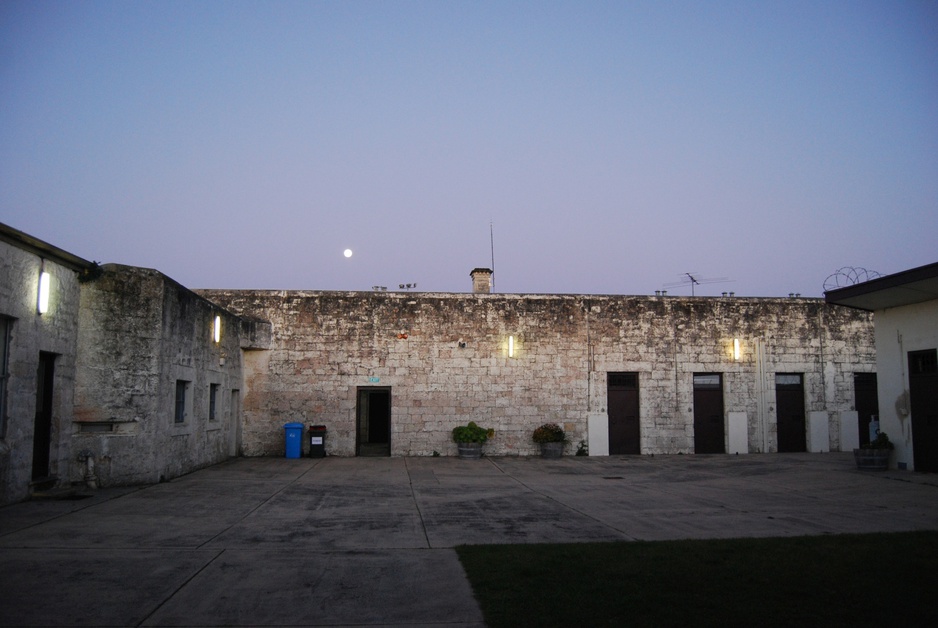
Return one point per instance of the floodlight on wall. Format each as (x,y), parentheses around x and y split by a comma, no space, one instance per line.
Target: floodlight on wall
(44,286)
(511,346)
(736,349)
(216,329)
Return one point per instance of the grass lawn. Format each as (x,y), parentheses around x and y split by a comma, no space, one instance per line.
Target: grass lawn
(875,580)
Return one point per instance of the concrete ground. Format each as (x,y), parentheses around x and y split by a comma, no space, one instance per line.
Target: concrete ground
(369,541)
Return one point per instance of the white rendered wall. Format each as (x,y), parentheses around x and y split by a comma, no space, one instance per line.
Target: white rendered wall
(899,331)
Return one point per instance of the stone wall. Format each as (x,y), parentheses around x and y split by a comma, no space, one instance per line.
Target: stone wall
(140,334)
(31,334)
(445,359)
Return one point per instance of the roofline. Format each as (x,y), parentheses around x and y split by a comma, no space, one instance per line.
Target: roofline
(43,249)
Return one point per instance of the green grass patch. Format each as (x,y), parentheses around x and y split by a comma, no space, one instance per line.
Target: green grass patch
(841,580)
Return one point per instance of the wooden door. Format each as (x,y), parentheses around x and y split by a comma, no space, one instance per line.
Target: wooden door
(709,430)
(923,405)
(789,404)
(622,398)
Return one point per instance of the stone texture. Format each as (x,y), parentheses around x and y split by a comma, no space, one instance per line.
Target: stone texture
(54,332)
(140,332)
(445,358)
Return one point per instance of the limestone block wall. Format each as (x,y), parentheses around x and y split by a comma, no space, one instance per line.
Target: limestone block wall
(29,334)
(140,334)
(445,360)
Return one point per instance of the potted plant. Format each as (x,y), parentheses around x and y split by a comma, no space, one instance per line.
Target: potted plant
(874,456)
(470,438)
(550,437)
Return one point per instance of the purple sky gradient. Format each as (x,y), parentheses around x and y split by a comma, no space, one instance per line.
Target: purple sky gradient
(613,145)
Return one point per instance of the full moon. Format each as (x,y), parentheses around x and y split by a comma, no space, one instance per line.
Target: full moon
(348,253)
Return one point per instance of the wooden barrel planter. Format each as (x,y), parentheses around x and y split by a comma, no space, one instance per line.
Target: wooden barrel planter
(471,451)
(871,459)
(551,450)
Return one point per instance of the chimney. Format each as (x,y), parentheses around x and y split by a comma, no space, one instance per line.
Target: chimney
(481,280)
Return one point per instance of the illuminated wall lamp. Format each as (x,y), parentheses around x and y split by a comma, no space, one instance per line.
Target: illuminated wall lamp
(216,329)
(736,349)
(511,346)
(44,281)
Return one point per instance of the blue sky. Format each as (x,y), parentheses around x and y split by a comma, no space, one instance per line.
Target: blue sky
(613,146)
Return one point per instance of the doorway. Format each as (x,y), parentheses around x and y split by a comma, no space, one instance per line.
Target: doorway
(709,431)
(373,422)
(789,403)
(42,426)
(866,402)
(923,404)
(622,399)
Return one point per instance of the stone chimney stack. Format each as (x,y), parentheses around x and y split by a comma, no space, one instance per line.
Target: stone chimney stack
(481,280)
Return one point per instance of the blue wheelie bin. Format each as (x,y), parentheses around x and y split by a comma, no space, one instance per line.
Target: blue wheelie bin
(293,435)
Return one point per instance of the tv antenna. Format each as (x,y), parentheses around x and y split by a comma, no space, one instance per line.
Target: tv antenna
(492,243)
(695,279)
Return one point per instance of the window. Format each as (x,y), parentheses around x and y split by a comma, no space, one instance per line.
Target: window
(212,401)
(182,387)
(6,326)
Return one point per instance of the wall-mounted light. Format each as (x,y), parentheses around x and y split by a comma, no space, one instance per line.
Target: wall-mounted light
(216,329)
(736,349)
(44,283)
(511,346)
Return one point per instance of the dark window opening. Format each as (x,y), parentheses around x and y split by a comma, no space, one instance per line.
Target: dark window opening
(181,386)
(212,401)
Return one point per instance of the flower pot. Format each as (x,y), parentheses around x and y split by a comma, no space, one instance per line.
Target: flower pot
(871,459)
(471,451)
(551,450)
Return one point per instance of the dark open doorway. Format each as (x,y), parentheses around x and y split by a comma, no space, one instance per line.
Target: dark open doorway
(866,401)
(373,424)
(42,428)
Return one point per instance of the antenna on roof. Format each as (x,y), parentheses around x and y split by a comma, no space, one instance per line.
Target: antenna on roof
(695,279)
(492,243)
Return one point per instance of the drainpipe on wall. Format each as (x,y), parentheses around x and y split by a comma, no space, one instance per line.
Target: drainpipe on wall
(760,391)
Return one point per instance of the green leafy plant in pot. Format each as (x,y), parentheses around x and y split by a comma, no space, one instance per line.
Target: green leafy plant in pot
(874,456)
(470,438)
(551,438)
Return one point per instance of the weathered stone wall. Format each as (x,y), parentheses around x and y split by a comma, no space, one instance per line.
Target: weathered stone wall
(141,332)
(31,333)
(445,359)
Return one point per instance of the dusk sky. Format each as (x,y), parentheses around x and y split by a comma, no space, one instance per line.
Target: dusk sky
(612,146)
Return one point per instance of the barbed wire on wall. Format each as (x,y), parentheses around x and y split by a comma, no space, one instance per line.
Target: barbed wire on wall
(848,276)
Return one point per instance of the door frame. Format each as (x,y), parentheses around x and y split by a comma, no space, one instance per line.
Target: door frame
(923,407)
(793,441)
(704,399)
(44,418)
(363,417)
(627,383)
